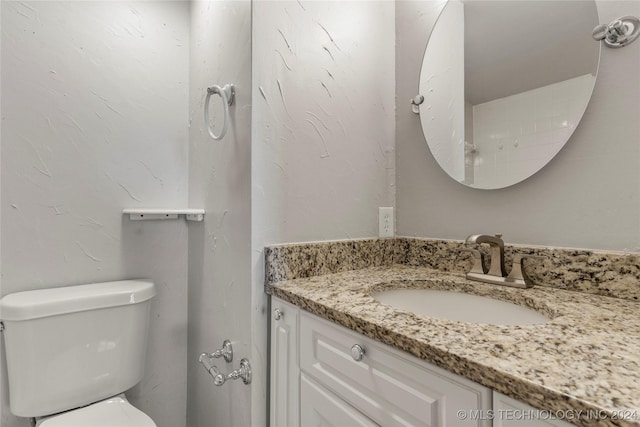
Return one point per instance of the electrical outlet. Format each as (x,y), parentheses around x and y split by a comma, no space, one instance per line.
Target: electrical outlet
(386,222)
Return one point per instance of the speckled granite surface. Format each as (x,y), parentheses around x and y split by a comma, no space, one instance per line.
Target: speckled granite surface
(293,261)
(602,273)
(608,274)
(586,358)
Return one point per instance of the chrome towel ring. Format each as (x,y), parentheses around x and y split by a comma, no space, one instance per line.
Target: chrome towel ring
(228,94)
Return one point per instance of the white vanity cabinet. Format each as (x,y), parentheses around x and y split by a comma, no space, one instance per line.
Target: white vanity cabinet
(315,379)
(285,371)
(323,374)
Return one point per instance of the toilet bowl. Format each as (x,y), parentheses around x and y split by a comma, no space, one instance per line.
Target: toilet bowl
(73,352)
(112,412)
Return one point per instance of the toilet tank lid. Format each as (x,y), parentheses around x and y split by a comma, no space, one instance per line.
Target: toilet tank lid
(69,299)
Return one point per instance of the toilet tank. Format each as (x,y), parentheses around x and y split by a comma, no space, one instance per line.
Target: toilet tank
(71,346)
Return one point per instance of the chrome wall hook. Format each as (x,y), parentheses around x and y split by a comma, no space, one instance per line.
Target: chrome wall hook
(618,33)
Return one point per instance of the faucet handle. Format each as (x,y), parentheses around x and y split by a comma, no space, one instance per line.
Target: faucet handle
(478,261)
(517,273)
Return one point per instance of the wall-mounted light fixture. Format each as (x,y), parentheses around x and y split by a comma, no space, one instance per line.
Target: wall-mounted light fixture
(618,33)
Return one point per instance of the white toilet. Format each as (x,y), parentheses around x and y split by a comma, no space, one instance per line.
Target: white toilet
(73,351)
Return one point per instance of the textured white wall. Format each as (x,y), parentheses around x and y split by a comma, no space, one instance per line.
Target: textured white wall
(322,131)
(219,248)
(588,196)
(323,121)
(95,103)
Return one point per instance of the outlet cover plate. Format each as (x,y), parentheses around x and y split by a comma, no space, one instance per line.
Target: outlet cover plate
(386,222)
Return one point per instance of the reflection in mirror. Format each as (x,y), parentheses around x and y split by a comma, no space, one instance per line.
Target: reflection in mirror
(505,85)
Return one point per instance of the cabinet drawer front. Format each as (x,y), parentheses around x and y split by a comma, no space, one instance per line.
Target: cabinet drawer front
(320,408)
(391,387)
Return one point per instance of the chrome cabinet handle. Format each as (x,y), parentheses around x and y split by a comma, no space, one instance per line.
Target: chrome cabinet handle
(277,314)
(357,352)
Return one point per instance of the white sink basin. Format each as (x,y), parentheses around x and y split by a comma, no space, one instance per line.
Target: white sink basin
(461,307)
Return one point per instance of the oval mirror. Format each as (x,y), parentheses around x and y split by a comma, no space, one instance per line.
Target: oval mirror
(505,84)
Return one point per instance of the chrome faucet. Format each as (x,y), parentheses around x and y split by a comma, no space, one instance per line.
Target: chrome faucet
(497,274)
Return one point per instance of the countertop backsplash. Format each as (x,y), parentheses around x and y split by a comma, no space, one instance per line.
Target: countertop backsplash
(613,274)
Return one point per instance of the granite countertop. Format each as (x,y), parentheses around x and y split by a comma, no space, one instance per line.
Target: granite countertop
(586,358)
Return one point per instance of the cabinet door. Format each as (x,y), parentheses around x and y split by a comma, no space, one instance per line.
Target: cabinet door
(508,412)
(391,387)
(285,370)
(321,408)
